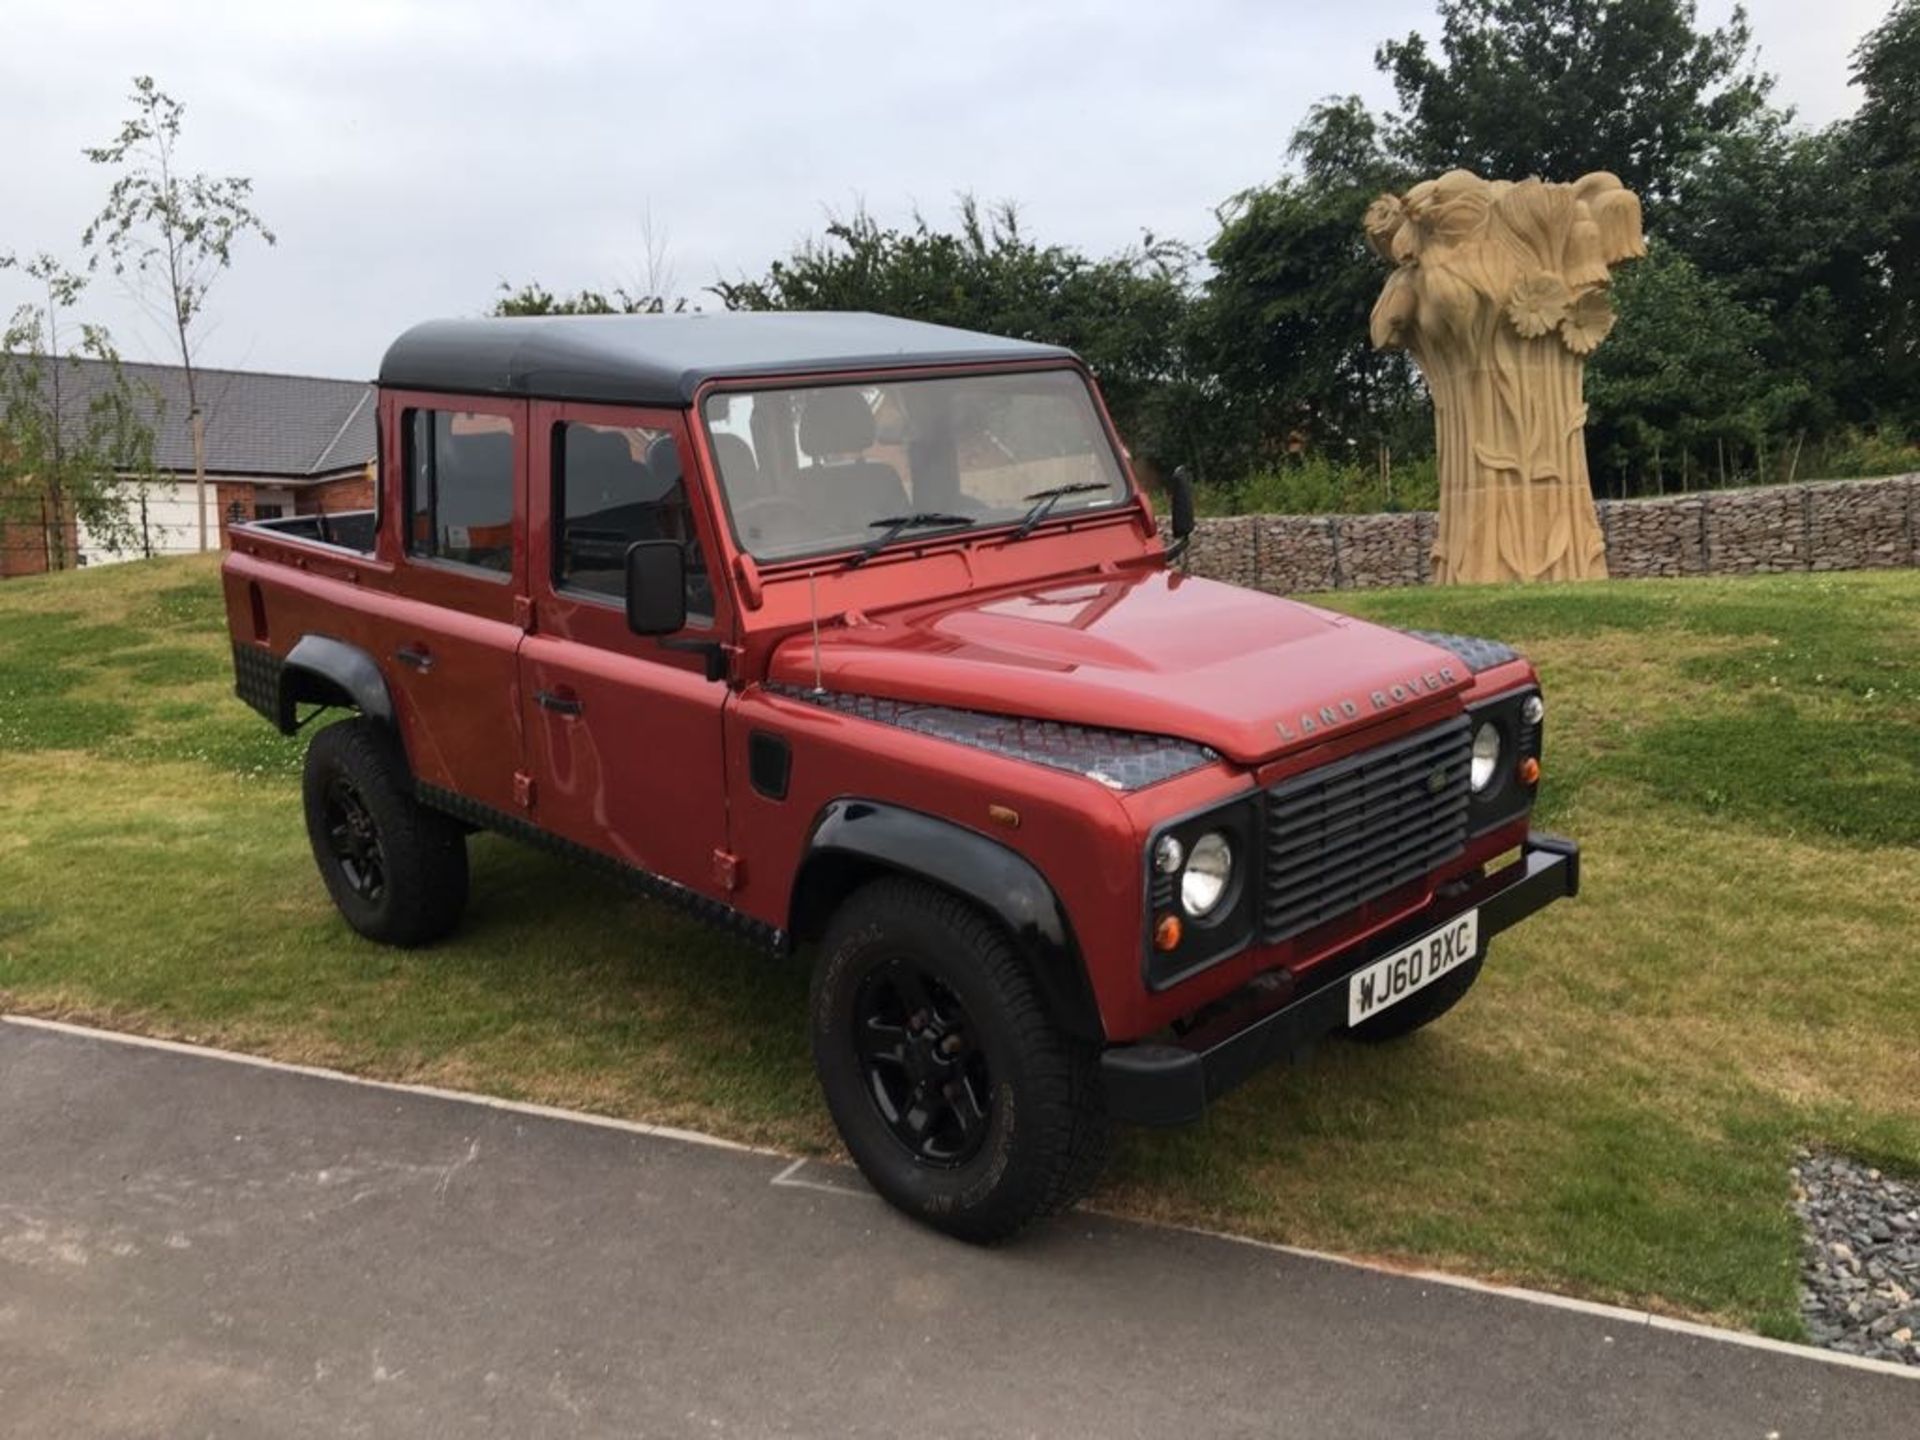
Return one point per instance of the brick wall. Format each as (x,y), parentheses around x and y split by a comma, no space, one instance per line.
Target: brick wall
(23,540)
(235,502)
(1819,525)
(328,497)
(332,496)
(23,548)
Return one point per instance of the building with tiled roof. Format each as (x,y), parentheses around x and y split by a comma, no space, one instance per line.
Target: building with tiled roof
(276,445)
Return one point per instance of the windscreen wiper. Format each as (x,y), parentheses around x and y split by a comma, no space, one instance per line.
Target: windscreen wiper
(1045,500)
(898,525)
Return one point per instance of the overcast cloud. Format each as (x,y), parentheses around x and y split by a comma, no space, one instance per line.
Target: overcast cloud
(413,156)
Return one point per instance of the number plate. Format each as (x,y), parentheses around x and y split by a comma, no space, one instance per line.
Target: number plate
(1392,978)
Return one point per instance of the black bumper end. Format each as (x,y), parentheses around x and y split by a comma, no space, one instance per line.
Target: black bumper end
(1161,1083)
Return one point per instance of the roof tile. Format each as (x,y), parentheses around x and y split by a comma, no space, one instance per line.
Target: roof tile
(286,426)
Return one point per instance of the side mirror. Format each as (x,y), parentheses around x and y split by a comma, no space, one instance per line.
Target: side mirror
(656,587)
(1180,501)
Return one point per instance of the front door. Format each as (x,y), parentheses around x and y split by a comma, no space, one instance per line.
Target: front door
(448,640)
(623,732)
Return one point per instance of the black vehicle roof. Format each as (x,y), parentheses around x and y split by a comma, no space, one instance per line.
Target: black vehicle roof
(663,359)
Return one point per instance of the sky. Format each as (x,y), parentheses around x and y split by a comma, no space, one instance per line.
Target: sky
(412,155)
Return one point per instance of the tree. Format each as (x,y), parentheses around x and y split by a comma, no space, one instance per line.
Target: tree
(172,235)
(1681,380)
(66,437)
(1124,314)
(1557,88)
(1283,321)
(1787,222)
(533,298)
(1886,142)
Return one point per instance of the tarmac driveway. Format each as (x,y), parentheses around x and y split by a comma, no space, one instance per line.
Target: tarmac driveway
(193,1246)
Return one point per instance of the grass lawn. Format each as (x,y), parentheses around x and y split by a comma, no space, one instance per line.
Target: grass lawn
(1611,1114)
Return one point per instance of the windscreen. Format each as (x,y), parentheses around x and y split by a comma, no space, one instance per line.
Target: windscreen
(815,470)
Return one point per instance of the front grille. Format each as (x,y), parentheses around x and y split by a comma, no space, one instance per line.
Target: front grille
(1351,831)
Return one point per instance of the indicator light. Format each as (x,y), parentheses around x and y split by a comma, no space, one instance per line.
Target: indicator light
(1169,856)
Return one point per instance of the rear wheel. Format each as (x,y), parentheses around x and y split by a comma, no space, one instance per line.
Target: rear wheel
(958,1097)
(1421,1008)
(396,870)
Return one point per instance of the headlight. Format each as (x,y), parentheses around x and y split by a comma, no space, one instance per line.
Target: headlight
(1203,884)
(1486,756)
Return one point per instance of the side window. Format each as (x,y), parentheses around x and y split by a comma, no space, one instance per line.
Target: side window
(614,485)
(460,488)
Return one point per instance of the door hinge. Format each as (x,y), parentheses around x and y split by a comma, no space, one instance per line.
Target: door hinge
(524,614)
(727,871)
(523,789)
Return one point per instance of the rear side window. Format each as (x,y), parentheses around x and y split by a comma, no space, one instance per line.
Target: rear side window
(460,488)
(616,484)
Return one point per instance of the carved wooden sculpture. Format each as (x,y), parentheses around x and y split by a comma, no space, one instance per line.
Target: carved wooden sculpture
(1499,292)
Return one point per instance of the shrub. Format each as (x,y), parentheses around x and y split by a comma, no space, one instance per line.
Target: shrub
(1321,486)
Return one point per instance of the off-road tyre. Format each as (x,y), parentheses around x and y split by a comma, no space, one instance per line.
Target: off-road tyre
(1044,1136)
(396,870)
(1421,1008)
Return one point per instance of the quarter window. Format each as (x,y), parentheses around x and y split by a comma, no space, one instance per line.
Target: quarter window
(615,485)
(460,488)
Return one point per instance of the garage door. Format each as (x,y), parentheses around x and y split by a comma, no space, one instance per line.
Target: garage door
(163,526)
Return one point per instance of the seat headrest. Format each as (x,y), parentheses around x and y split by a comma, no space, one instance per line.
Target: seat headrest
(663,463)
(836,422)
(734,456)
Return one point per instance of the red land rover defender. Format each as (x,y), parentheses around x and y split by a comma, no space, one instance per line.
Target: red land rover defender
(856,633)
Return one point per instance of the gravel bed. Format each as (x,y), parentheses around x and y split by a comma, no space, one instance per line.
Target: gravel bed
(1860,1272)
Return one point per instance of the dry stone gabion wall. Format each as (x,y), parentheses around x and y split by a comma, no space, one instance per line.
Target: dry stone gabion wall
(1655,539)
(1819,525)
(1864,527)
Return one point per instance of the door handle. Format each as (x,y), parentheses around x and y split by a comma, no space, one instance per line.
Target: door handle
(416,656)
(559,704)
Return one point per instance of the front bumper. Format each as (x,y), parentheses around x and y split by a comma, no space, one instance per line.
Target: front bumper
(1171,1082)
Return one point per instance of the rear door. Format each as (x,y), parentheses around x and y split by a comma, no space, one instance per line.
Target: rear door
(623,731)
(448,639)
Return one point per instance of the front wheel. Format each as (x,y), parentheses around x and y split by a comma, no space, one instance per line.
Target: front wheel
(396,870)
(960,1100)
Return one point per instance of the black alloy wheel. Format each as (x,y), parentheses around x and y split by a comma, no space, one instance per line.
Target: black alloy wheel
(922,1064)
(354,836)
(396,870)
(957,1094)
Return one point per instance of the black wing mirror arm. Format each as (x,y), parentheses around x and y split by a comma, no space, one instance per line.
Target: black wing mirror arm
(1180,503)
(712,651)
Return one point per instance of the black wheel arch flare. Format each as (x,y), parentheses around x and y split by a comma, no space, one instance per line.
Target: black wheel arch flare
(854,840)
(321,670)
